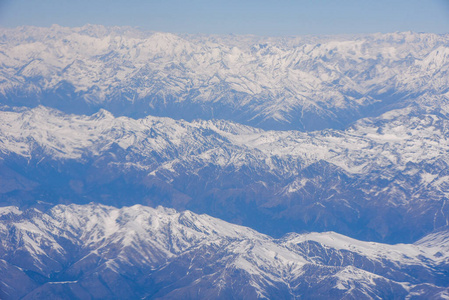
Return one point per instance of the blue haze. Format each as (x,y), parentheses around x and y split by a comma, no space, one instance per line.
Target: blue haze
(263,17)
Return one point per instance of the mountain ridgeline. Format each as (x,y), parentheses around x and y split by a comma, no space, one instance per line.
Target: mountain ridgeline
(299,83)
(130,160)
(383,179)
(100,252)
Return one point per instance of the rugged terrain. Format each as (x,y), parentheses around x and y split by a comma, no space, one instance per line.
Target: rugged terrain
(302,83)
(333,150)
(383,179)
(95,251)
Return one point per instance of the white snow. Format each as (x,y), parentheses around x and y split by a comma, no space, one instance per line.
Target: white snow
(308,73)
(153,236)
(358,150)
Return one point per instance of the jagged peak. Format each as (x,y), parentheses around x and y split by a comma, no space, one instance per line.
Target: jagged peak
(102,114)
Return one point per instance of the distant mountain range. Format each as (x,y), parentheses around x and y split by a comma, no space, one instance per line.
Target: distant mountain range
(331,149)
(303,83)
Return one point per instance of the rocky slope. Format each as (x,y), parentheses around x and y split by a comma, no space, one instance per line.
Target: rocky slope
(96,251)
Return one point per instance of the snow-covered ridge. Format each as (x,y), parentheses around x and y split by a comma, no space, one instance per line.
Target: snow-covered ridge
(253,80)
(330,180)
(104,240)
(393,140)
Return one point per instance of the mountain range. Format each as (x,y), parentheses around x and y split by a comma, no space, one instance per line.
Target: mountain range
(301,83)
(138,164)
(94,251)
(383,179)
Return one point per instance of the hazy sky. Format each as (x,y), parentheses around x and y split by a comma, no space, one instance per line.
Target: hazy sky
(262,17)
